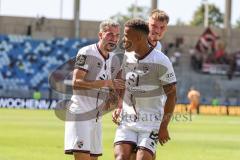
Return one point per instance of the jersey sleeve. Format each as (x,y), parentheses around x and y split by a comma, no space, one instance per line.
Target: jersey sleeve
(82,62)
(167,74)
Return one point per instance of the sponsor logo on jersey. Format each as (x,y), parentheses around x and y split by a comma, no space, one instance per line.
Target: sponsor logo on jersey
(81,60)
(170,76)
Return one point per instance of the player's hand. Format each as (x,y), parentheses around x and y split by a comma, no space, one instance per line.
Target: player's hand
(163,135)
(115,115)
(117,84)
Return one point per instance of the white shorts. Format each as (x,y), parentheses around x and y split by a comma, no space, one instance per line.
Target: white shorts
(141,140)
(83,136)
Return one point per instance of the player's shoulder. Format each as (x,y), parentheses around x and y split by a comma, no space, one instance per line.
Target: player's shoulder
(160,56)
(87,50)
(158,46)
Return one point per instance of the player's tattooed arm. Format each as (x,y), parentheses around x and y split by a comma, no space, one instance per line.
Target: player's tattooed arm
(79,82)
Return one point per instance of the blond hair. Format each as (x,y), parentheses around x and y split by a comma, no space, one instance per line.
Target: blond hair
(159,15)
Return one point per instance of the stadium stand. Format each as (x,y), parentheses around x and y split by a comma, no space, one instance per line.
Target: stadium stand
(210,85)
(25,63)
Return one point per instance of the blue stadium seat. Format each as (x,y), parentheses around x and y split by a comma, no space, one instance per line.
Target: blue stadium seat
(26,62)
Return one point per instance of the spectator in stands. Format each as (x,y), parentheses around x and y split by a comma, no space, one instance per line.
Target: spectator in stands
(173,59)
(177,54)
(37,95)
(227,104)
(204,100)
(215,101)
(20,65)
(179,41)
(232,66)
(219,53)
(194,99)
(196,59)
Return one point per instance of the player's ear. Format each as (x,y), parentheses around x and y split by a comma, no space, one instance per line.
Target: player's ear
(100,35)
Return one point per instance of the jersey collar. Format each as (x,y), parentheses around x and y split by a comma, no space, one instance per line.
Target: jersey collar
(100,52)
(151,44)
(141,58)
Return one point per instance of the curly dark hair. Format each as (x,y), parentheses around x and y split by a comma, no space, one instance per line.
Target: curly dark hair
(138,24)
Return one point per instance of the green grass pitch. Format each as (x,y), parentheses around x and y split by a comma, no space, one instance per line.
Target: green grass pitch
(38,135)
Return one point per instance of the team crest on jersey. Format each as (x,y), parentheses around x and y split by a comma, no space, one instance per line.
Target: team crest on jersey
(81,60)
(80,144)
(99,64)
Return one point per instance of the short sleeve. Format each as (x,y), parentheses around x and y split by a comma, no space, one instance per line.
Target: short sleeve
(82,61)
(168,75)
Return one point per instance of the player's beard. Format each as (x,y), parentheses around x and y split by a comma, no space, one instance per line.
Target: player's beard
(109,46)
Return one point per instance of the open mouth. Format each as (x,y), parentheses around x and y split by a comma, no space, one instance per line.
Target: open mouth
(110,46)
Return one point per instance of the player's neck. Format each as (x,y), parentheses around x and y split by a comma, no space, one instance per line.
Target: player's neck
(143,50)
(152,43)
(102,51)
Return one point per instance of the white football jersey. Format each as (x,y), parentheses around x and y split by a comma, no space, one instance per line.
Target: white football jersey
(158,46)
(98,67)
(145,78)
